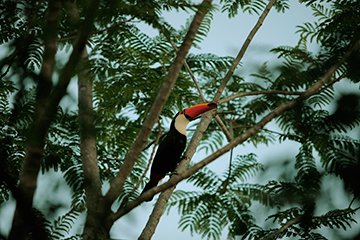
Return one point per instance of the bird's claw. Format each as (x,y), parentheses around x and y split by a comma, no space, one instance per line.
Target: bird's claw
(185,157)
(174,173)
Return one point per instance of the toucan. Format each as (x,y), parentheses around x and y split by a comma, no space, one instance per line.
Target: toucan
(172,146)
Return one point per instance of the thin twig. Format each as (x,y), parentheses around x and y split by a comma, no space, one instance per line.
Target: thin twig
(175,179)
(153,141)
(124,202)
(11,60)
(332,82)
(231,130)
(283,228)
(98,31)
(243,94)
(218,120)
(190,73)
(243,50)
(352,202)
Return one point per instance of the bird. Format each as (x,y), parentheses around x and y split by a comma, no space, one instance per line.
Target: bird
(172,146)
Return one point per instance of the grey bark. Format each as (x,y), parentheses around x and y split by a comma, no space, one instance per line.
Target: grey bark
(96,214)
(45,108)
(35,147)
(95,227)
(164,92)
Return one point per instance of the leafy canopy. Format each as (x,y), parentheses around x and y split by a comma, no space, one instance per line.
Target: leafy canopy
(127,67)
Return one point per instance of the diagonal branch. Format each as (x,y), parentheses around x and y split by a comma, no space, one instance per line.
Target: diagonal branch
(238,140)
(218,120)
(163,94)
(243,50)
(244,94)
(45,111)
(283,228)
(157,212)
(332,82)
(190,73)
(236,63)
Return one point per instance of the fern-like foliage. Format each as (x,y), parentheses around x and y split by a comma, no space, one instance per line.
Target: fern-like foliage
(340,218)
(127,67)
(317,131)
(233,7)
(257,7)
(40,226)
(222,201)
(61,227)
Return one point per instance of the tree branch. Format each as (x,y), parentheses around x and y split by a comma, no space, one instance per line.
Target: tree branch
(238,140)
(44,114)
(157,212)
(88,152)
(118,182)
(36,141)
(190,73)
(283,228)
(244,94)
(332,83)
(86,121)
(92,183)
(243,50)
(218,120)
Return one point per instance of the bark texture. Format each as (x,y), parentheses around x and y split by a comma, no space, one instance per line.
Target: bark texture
(35,147)
(96,214)
(158,210)
(45,108)
(163,94)
(238,140)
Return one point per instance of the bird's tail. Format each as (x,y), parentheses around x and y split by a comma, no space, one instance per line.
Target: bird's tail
(152,183)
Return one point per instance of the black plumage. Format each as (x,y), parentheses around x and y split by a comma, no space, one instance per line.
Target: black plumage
(167,156)
(172,146)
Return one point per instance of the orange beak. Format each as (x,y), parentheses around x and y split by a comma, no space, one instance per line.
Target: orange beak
(194,111)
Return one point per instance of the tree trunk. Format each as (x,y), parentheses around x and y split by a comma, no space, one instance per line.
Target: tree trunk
(95,218)
(95,227)
(22,223)
(45,108)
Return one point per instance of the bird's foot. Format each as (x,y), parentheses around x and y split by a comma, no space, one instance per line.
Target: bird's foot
(174,173)
(184,157)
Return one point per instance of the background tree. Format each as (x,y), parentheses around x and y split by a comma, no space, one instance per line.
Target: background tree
(132,78)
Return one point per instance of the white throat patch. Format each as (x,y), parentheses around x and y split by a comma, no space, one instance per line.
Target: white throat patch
(181,123)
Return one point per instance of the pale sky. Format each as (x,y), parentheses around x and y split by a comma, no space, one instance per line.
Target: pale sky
(225,39)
